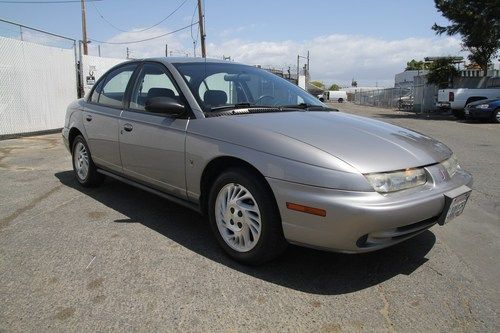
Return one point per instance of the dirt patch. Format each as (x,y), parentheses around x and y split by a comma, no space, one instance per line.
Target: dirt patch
(95,284)
(96,215)
(65,313)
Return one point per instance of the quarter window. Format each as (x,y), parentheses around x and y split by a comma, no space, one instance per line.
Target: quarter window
(113,91)
(152,82)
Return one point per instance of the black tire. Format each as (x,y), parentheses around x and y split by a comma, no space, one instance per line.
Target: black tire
(321,99)
(93,178)
(494,116)
(459,114)
(341,100)
(271,242)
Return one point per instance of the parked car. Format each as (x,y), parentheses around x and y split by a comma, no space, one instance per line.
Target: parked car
(266,161)
(457,99)
(486,109)
(334,95)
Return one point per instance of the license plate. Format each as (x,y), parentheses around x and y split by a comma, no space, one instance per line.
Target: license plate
(454,204)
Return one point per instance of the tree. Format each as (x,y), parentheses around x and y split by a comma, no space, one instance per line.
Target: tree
(478,22)
(415,65)
(441,72)
(318,84)
(334,87)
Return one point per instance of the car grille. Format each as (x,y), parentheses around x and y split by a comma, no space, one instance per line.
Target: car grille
(394,235)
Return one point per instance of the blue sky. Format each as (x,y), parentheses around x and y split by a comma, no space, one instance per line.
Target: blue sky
(346,38)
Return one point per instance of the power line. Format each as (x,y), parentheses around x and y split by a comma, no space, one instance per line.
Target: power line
(134,31)
(147,39)
(46,2)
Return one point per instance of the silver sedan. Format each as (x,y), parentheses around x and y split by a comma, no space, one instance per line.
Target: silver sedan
(265,161)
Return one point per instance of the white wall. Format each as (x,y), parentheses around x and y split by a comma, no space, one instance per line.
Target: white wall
(37,83)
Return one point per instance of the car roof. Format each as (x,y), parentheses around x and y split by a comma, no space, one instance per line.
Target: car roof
(176,60)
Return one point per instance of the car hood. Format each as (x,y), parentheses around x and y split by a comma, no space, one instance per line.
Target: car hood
(367,145)
(483,101)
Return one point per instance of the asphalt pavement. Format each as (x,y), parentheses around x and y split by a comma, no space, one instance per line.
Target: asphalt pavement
(117,258)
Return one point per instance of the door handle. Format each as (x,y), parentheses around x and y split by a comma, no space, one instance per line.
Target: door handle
(128,127)
(88,117)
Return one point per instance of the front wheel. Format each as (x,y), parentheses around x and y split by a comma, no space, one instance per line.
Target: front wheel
(244,217)
(496,116)
(83,166)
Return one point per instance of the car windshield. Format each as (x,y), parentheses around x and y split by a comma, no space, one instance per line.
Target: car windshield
(221,86)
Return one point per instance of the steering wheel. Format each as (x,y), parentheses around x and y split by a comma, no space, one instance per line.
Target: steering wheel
(263,97)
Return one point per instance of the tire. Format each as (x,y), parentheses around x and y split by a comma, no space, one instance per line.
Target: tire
(459,114)
(83,166)
(495,117)
(264,240)
(321,99)
(340,100)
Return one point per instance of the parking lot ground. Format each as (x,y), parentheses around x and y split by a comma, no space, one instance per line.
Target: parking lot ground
(116,258)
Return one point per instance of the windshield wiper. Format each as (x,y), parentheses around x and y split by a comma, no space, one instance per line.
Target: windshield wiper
(233,106)
(308,107)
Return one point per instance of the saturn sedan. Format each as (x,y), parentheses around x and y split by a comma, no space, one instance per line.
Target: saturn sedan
(264,160)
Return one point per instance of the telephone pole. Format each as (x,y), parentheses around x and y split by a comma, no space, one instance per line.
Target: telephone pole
(128,53)
(201,24)
(84,29)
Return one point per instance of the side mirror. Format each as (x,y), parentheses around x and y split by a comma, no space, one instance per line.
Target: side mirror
(164,105)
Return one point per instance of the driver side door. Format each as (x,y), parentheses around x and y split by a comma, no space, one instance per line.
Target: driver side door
(152,144)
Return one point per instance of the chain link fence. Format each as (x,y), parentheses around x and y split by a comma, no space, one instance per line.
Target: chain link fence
(400,98)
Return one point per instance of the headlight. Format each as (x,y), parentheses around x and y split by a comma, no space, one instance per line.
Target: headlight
(451,165)
(396,181)
(482,106)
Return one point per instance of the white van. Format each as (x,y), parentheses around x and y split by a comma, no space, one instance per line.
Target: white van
(334,95)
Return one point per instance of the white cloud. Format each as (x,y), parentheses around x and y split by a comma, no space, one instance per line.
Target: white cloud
(334,58)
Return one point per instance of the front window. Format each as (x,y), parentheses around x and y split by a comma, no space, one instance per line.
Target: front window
(217,85)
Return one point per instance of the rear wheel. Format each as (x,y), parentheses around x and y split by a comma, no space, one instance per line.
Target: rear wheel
(244,217)
(341,100)
(83,166)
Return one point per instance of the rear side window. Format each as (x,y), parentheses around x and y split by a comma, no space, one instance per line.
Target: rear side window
(113,90)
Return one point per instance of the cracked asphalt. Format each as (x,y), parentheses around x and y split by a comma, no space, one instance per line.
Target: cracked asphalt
(116,258)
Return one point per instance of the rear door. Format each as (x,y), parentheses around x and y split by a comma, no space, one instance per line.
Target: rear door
(102,114)
(152,145)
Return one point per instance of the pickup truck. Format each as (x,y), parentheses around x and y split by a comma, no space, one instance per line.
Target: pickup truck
(457,99)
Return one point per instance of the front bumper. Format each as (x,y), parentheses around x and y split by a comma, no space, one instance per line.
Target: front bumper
(478,113)
(354,218)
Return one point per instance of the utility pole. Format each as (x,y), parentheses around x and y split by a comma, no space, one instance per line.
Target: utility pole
(84,29)
(166,50)
(201,24)
(99,49)
(308,62)
(128,53)
(194,49)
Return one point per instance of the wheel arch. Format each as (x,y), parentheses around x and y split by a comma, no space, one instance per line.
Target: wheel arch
(217,166)
(73,133)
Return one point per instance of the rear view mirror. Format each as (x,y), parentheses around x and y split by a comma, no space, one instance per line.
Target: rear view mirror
(237,77)
(164,105)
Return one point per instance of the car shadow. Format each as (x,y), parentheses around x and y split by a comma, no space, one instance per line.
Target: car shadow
(301,269)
